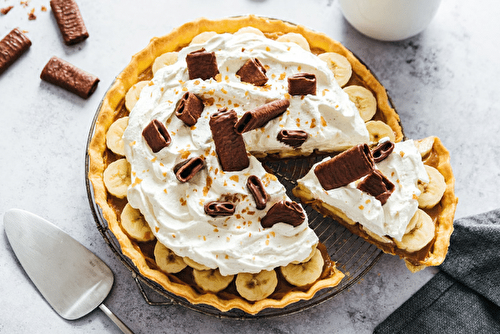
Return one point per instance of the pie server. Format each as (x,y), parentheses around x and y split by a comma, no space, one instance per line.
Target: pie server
(70,277)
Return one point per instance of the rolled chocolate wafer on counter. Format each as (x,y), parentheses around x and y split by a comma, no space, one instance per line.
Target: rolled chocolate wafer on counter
(377,185)
(284,212)
(65,75)
(345,168)
(229,144)
(259,116)
(70,21)
(12,47)
(253,72)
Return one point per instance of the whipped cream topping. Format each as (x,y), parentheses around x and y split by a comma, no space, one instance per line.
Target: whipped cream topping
(404,168)
(175,211)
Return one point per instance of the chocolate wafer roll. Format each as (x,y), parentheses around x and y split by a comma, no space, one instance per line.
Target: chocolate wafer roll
(377,185)
(217,208)
(302,84)
(294,138)
(202,64)
(259,116)
(12,47)
(253,72)
(189,108)
(229,145)
(63,74)
(70,21)
(345,168)
(284,212)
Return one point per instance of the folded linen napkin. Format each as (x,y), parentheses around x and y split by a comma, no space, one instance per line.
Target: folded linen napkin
(464,296)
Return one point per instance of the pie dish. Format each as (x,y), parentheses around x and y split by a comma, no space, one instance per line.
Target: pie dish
(135,88)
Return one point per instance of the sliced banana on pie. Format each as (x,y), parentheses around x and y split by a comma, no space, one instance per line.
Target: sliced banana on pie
(364,101)
(256,286)
(167,260)
(339,65)
(114,140)
(421,234)
(165,59)
(306,272)
(424,146)
(378,130)
(117,178)
(133,94)
(203,37)
(211,280)
(195,265)
(251,30)
(135,225)
(295,38)
(433,191)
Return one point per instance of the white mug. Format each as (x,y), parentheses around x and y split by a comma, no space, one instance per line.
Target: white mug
(389,20)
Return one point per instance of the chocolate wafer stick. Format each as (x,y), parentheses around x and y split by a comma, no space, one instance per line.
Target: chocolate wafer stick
(63,74)
(302,84)
(284,212)
(382,151)
(258,191)
(70,21)
(294,138)
(156,135)
(216,208)
(253,72)
(202,64)
(345,168)
(12,47)
(187,169)
(189,108)
(229,145)
(377,185)
(259,116)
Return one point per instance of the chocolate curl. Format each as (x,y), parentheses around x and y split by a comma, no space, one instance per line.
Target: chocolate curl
(65,75)
(382,151)
(219,208)
(202,64)
(253,72)
(12,47)
(258,191)
(377,185)
(294,138)
(187,169)
(156,135)
(284,212)
(345,168)
(189,108)
(70,21)
(302,84)
(229,145)
(259,116)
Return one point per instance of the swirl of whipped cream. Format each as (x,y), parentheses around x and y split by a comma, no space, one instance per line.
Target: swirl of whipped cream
(404,168)
(175,211)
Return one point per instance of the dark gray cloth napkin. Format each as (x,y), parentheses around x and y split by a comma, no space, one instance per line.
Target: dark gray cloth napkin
(464,296)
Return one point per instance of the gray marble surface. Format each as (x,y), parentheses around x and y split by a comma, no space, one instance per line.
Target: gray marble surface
(443,82)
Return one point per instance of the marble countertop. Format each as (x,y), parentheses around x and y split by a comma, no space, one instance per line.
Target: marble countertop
(443,82)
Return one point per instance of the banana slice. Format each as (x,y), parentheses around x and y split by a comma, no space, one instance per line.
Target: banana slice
(295,38)
(251,30)
(167,260)
(195,265)
(424,146)
(420,235)
(134,224)
(433,191)
(211,280)
(380,238)
(133,94)
(306,272)
(117,178)
(313,251)
(364,101)
(165,59)
(114,140)
(379,130)
(339,65)
(256,286)
(202,37)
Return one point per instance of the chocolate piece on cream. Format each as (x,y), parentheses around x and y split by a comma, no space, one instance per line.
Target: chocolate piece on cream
(216,208)
(253,72)
(65,75)
(12,47)
(187,169)
(382,151)
(229,144)
(156,135)
(345,168)
(377,185)
(189,108)
(302,84)
(70,21)
(287,212)
(202,64)
(258,191)
(293,138)
(259,116)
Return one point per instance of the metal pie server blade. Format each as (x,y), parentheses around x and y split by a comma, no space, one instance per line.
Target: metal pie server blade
(71,278)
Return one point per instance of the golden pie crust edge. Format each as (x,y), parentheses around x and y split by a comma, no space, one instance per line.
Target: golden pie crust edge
(140,62)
